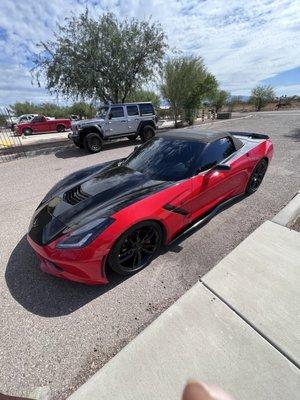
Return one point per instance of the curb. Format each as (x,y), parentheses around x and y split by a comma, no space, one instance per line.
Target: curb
(289,213)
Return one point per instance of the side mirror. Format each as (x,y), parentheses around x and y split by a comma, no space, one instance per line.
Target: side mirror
(110,116)
(135,148)
(222,167)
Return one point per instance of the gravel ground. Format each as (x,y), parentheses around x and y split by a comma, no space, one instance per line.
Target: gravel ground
(56,333)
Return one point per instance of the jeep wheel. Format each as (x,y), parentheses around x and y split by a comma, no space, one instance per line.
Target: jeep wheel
(147,133)
(93,143)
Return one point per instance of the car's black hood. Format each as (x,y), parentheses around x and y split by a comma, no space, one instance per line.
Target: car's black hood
(96,195)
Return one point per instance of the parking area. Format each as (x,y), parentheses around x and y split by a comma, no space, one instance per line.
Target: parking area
(56,333)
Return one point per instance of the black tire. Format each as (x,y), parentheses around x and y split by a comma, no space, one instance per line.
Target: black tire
(93,143)
(132,138)
(60,128)
(147,133)
(138,246)
(257,176)
(27,131)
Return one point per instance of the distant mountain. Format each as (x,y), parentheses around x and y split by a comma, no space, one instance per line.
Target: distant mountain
(243,98)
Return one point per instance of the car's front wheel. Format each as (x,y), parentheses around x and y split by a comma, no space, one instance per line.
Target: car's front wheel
(93,143)
(136,248)
(257,176)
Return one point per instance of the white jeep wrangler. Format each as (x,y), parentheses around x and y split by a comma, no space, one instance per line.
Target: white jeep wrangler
(113,122)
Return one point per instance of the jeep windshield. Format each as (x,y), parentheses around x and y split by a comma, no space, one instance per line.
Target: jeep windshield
(166,159)
(102,112)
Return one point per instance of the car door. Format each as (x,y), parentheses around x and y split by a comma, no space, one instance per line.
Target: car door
(212,185)
(132,117)
(117,122)
(39,124)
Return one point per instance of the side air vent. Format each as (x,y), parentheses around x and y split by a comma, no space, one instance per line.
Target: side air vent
(75,195)
(174,209)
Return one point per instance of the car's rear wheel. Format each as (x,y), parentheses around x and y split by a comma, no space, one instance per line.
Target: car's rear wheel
(27,131)
(136,248)
(60,128)
(147,133)
(93,143)
(257,176)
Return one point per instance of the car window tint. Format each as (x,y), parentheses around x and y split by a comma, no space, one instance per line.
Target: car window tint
(166,159)
(117,112)
(38,119)
(146,109)
(216,152)
(132,110)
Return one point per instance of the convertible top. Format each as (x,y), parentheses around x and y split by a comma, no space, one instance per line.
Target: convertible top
(200,135)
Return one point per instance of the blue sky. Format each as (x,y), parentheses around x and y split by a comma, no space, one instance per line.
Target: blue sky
(287,78)
(242,43)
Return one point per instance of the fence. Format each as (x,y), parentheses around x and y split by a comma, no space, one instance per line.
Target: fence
(10,144)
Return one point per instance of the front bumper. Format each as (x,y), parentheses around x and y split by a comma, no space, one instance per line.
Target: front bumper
(74,136)
(74,265)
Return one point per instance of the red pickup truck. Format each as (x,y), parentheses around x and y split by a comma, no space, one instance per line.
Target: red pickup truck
(41,124)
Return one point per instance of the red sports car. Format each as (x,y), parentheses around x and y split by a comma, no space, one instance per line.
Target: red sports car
(118,214)
(41,124)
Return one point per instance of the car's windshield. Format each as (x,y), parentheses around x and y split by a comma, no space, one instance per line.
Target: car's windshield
(102,112)
(166,159)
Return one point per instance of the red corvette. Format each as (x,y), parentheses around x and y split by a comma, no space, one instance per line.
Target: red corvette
(118,214)
(41,124)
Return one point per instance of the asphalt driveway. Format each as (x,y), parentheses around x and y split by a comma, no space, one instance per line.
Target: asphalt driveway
(56,333)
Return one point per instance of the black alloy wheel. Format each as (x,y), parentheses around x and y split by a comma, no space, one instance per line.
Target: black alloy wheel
(93,143)
(257,176)
(136,248)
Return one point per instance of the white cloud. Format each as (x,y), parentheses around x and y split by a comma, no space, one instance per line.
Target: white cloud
(241,43)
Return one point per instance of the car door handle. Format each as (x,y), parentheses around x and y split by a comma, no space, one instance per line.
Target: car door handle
(123,121)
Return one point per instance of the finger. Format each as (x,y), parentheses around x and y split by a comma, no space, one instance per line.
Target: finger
(217,393)
(195,391)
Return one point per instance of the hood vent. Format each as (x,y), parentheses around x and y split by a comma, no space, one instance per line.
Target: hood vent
(75,195)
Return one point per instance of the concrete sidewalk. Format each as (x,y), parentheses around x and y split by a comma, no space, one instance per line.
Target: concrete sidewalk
(238,328)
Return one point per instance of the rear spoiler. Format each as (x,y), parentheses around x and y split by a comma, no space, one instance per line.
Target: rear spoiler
(250,135)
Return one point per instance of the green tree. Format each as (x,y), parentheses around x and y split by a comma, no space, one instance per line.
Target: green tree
(20,108)
(2,120)
(234,101)
(52,110)
(145,95)
(261,95)
(83,109)
(186,83)
(103,59)
(219,99)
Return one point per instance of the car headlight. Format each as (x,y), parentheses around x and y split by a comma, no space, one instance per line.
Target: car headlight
(84,235)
